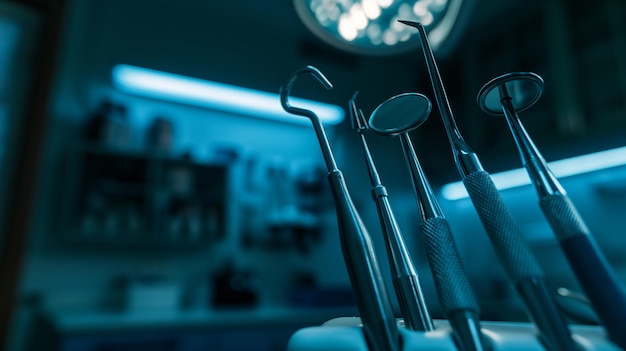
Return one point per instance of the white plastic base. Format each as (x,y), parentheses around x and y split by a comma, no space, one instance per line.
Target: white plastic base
(344,334)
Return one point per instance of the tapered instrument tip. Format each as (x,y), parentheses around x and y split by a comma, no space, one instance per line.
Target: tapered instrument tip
(411,23)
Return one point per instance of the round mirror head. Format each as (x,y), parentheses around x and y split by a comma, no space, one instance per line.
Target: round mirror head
(400,114)
(524,89)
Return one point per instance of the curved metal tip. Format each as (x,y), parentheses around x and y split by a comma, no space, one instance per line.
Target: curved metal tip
(356,93)
(411,23)
(354,112)
(285,90)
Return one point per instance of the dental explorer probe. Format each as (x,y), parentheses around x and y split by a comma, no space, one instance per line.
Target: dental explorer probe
(379,323)
(515,92)
(510,247)
(404,275)
(397,116)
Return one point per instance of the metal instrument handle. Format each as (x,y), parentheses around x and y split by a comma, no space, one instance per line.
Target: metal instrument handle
(412,305)
(405,278)
(455,293)
(453,288)
(594,274)
(507,240)
(515,255)
(546,314)
(372,298)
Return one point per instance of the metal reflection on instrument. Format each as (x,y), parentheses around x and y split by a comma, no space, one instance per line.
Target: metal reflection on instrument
(524,89)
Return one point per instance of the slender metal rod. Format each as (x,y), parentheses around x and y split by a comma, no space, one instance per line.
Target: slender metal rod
(542,177)
(379,323)
(405,278)
(466,159)
(428,205)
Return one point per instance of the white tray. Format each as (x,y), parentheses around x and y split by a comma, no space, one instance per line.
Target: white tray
(344,334)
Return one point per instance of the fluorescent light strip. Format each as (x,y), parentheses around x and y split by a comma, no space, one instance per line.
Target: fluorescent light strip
(562,168)
(218,96)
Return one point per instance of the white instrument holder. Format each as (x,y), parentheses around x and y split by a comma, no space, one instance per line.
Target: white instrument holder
(345,334)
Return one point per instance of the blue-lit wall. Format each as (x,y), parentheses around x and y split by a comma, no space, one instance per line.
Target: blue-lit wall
(100,35)
(599,197)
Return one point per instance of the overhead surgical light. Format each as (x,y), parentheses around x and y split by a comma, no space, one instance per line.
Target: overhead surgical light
(372,27)
(562,168)
(216,96)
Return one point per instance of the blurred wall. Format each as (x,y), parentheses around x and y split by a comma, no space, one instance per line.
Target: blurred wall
(209,44)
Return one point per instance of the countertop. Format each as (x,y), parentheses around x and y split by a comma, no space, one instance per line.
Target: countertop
(99,321)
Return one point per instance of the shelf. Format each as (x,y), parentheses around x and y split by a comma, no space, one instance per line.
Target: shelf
(120,197)
(167,319)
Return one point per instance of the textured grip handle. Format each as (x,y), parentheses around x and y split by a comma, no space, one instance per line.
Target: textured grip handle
(589,265)
(563,216)
(508,242)
(453,287)
(515,255)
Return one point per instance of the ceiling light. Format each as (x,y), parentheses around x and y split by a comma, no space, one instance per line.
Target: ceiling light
(371,27)
(217,96)
(562,168)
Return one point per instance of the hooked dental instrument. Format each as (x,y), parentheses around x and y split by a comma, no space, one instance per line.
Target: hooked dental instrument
(379,323)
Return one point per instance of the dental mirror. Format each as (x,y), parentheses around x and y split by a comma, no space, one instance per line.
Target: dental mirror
(523,88)
(400,114)
(397,116)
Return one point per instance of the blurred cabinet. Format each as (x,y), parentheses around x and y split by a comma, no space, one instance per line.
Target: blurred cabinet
(598,44)
(124,197)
